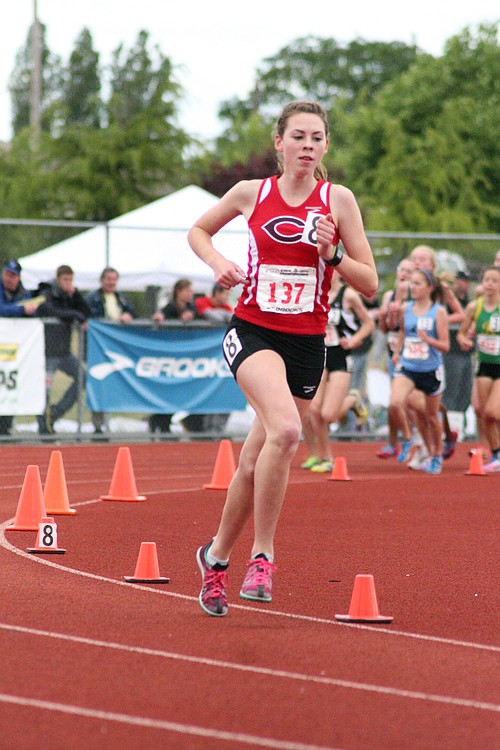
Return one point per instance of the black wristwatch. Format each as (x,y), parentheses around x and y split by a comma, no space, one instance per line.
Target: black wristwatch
(337,257)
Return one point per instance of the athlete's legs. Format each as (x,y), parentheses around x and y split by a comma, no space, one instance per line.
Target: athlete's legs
(416,414)
(311,416)
(322,415)
(434,426)
(400,391)
(260,482)
(488,392)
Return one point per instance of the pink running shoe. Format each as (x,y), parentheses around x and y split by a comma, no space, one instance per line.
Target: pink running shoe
(213,596)
(388,451)
(258,582)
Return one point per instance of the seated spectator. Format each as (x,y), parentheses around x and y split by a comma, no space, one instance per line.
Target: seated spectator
(179,307)
(15,302)
(215,307)
(65,302)
(106,302)
(109,304)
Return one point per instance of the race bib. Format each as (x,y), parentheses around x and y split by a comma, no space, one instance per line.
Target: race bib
(488,344)
(331,336)
(495,323)
(231,346)
(415,348)
(392,340)
(309,234)
(286,289)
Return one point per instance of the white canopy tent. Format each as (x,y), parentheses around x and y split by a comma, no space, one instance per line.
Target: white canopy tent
(148,247)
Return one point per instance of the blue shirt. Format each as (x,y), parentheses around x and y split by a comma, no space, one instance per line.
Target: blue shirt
(418,356)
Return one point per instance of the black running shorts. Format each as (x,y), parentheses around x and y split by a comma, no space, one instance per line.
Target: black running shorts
(304,356)
(487,370)
(431,383)
(337,359)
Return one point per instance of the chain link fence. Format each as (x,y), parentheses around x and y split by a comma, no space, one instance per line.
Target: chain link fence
(66,379)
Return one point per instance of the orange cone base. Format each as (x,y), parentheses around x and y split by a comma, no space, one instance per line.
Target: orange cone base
(224,468)
(339,471)
(18,527)
(476,467)
(57,512)
(137,499)
(131,579)
(364,606)
(43,551)
(346,618)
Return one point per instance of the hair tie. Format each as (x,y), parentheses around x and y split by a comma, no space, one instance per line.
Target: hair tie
(429,277)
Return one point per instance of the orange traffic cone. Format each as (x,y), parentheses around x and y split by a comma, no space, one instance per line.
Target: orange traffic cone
(476,466)
(339,471)
(123,485)
(55,492)
(30,508)
(46,540)
(147,569)
(224,467)
(363,607)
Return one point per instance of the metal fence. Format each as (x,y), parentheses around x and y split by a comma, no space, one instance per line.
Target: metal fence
(22,237)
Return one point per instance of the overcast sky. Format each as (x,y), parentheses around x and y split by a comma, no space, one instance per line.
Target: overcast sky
(216,46)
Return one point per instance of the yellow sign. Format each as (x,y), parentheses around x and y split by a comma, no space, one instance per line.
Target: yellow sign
(8,352)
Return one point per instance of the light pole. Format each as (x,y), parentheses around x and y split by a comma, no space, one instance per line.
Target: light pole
(36,76)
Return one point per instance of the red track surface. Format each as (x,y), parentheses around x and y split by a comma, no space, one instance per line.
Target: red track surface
(89,661)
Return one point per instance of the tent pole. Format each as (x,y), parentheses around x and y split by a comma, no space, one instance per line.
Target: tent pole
(106,264)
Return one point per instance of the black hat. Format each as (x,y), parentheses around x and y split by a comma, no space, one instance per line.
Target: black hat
(463,275)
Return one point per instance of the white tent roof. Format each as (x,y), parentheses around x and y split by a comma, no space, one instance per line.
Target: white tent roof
(148,247)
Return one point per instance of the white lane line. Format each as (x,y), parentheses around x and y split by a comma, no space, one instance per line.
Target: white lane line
(277,673)
(263,611)
(169,726)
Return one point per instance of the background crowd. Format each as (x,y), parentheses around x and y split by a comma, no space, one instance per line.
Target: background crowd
(367,334)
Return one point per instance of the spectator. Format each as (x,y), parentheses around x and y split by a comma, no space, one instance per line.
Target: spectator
(357,399)
(65,302)
(106,302)
(458,362)
(180,307)
(109,304)
(215,307)
(14,303)
(461,287)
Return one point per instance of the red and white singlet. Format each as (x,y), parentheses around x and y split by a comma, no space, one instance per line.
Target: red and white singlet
(288,283)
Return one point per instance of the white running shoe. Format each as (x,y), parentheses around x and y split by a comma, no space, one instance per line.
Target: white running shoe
(419,459)
(493,465)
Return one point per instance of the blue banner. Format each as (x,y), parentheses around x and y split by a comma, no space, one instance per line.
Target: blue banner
(163,370)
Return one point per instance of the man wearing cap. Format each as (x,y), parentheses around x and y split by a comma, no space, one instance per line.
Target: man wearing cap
(14,303)
(12,293)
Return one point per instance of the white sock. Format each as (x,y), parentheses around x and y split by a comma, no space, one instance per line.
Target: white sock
(211,560)
(269,558)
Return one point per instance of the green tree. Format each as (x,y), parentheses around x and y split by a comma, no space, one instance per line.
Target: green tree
(82,171)
(20,84)
(323,69)
(424,152)
(140,80)
(341,77)
(82,85)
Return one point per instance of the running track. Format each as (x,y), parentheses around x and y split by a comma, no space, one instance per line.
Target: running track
(90,661)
